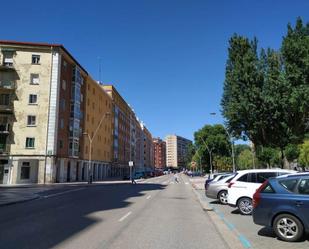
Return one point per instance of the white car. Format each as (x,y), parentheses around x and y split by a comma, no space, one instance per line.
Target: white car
(243,186)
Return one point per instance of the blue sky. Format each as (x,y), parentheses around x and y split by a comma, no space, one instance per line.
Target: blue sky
(166,57)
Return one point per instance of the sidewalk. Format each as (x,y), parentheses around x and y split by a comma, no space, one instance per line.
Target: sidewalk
(229,233)
(16,193)
(198,182)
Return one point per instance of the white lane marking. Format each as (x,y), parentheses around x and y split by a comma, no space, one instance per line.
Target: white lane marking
(62,193)
(125,216)
(148,197)
(171,182)
(187,183)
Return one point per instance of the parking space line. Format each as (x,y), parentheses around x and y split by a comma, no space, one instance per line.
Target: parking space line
(125,216)
(244,241)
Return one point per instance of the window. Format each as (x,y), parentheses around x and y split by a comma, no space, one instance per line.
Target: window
(4,99)
(268,189)
(35,59)
(33,99)
(62,103)
(31,120)
(64,85)
(243,178)
(261,177)
(30,142)
(65,65)
(34,79)
(8,59)
(303,187)
(61,123)
(60,144)
(288,184)
(25,171)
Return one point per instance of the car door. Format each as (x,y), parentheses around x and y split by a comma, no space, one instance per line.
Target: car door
(302,200)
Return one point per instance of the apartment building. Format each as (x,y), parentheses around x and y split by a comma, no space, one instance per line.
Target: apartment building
(148,158)
(159,148)
(49,108)
(98,131)
(54,119)
(121,136)
(176,151)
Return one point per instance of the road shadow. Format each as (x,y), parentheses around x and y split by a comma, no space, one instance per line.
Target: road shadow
(215,202)
(47,222)
(268,232)
(236,211)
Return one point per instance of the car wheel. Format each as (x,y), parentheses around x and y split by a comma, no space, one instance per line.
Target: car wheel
(288,228)
(245,206)
(222,197)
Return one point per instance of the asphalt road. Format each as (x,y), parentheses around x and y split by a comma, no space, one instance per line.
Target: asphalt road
(150,215)
(258,236)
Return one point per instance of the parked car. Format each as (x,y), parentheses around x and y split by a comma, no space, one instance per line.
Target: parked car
(283,203)
(139,175)
(218,189)
(244,185)
(215,177)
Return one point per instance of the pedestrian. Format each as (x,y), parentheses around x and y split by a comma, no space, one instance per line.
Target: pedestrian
(175,178)
(133,180)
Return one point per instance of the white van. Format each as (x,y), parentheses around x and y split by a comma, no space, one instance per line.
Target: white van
(245,183)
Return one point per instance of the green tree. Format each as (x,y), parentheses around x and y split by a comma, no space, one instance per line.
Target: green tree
(295,54)
(304,154)
(212,139)
(291,152)
(242,100)
(240,148)
(265,97)
(245,160)
(267,156)
(189,156)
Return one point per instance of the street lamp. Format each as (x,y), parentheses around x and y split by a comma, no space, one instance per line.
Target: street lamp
(209,152)
(90,146)
(197,152)
(232,143)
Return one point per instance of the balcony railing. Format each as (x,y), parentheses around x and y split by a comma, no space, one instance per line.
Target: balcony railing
(7,64)
(7,85)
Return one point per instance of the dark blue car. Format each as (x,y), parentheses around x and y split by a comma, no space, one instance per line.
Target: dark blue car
(283,204)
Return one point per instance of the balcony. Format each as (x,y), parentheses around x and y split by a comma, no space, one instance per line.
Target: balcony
(4,128)
(7,85)
(7,65)
(6,108)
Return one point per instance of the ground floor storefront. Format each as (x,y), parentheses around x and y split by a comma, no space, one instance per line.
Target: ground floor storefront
(43,169)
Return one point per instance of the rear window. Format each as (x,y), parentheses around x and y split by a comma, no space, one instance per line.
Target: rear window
(261,177)
(268,189)
(303,187)
(243,178)
(289,184)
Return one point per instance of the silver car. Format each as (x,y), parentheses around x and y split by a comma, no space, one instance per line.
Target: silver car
(218,189)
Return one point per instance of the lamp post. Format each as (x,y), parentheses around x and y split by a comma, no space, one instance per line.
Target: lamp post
(198,154)
(232,143)
(90,146)
(210,152)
